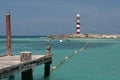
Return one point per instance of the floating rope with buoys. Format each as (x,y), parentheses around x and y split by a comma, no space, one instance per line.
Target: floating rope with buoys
(54,68)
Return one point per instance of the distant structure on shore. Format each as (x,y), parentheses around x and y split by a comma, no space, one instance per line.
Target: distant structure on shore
(78,24)
(97,36)
(79,35)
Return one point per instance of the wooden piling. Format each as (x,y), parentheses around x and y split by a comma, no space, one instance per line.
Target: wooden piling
(47,69)
(26,75)
(47,65)
(8,34)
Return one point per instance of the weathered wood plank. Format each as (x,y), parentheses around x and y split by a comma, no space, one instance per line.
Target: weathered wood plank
(10,65)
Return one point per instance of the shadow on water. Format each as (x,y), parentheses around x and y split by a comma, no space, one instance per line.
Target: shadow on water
(46,78)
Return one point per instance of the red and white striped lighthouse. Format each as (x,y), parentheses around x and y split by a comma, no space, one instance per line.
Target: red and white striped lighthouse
(78,24)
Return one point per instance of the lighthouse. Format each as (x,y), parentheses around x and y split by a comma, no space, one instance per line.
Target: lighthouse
(78,24)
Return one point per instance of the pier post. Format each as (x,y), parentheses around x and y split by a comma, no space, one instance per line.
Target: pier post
(8,34)
(26,75)
(48,50)
(47,65)
(47,69)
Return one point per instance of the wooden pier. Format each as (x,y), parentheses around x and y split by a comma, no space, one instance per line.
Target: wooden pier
(24,63)
(10,65)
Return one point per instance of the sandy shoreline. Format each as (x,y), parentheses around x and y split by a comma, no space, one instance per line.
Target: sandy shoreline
(100,36)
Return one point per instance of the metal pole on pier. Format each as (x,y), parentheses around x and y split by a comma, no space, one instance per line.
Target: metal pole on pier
(8,34)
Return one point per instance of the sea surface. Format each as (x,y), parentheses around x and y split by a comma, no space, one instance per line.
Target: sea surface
(99,60)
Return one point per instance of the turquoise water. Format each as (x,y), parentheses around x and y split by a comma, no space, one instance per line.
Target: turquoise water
(100,60)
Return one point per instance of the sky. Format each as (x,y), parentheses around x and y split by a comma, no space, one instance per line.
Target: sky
(56,17)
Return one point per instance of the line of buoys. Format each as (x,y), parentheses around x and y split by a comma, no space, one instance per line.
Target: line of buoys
(68,57)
